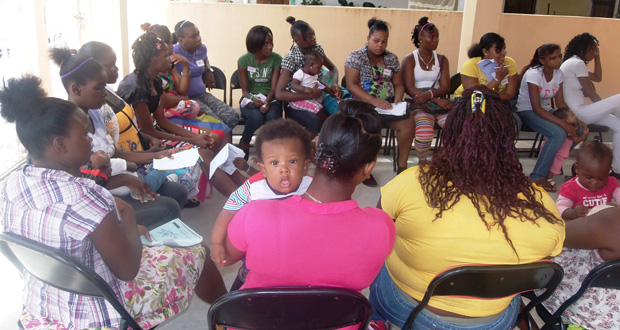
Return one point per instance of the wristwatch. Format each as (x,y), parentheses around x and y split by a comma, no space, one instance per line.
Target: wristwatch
(210,68)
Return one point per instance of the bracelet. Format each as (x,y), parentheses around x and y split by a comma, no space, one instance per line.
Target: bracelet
(495,78)
(430,90)
(251,97)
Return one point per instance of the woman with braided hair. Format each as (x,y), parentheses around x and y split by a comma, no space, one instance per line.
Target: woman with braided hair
(472,204)
(581,50)
(321,238)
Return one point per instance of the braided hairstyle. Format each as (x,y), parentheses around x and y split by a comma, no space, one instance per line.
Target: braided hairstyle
(423,25)
(78,68)
(579,45)
(280,129)
(38,119)
(478,161)
(349,139)
(541,53)
(145,48)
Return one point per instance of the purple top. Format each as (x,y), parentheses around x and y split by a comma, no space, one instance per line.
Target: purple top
(197,61)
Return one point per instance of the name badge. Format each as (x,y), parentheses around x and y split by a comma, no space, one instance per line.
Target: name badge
(252,69)
(387,72)
(200,63)
(435,68)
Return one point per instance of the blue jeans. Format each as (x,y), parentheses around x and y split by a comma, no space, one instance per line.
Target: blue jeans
(389,305)
(555,138)
(154,179)
(254,118)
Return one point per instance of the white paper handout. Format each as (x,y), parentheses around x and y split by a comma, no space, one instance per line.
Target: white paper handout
(245,101)
(182,159)
(397,109)
(224,159)
(173,233)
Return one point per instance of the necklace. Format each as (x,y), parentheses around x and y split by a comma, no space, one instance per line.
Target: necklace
(427,64)
(312,198)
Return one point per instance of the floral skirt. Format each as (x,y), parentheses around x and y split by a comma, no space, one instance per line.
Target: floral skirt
(163,287)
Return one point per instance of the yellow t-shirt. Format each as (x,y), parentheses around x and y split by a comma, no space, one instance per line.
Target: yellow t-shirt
(128,139)
(471,69)
(425,248)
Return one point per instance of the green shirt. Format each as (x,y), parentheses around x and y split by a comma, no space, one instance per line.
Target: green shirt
(259,75)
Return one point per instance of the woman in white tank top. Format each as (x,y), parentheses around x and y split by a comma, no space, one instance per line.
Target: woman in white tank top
(426,76)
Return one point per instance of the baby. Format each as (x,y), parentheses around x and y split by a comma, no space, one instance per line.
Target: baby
(568,116)
(306,80)
(283,149)
(593,186)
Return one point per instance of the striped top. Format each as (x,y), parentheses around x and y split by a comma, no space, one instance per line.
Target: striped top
(59,210)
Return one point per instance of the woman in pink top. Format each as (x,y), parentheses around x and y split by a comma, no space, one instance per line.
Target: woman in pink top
(321,238)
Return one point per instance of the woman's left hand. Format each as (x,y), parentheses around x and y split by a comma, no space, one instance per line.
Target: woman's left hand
(210,80)
(423,97)
(143,231)
(336,91)
(154,144)
(444,104)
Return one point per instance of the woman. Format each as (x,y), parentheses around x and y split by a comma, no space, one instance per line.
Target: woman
(590,241)
(304,39)
(85,81)
(176,86)
(373,75)
(49,203)
(503,76)
(142,89)
(542,83)
(331,242)
(259,70)
(189,45)
(471,204)
(426,75)
(581,50)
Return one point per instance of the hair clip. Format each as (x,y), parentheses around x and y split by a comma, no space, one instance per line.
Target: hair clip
(478,101)
(158,46)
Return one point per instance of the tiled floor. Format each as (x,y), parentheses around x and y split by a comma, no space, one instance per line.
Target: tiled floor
(202,219)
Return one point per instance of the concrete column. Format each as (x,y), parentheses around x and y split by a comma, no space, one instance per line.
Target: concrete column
(479,17)
(35,38)
(126,53)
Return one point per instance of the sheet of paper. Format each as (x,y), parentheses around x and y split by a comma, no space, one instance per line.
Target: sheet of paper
(182,159)
(488,68)
(224,159)
(245,101)
(397,109)
(173,233)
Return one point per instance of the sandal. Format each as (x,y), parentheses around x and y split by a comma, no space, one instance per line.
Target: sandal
(191,203)
(543,183)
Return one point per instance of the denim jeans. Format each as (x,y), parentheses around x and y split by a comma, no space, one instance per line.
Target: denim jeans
(555,138)
(254,118)
(389,305)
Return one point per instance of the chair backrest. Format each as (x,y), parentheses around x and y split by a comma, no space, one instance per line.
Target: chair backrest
(455,82)
(220,79)
(234,84)
(493,281)
(295,308)
(60,271)
(343,83)
(605,275)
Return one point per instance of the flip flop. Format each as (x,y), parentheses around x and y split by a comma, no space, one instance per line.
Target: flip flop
(543,183)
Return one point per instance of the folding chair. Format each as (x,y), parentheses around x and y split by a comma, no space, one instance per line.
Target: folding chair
(58,270)
(605,275)
(294,308)
(491,282)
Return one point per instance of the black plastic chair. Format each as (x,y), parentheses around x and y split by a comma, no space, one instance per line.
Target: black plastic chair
(61,271)
(294,308)
(605,275)
(234,84)
(491,282)
(220,79)
(455,82)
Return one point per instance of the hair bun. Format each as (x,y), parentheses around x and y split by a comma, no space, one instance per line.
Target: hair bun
(423,21)
(20,98)
(327,157)
(290,20)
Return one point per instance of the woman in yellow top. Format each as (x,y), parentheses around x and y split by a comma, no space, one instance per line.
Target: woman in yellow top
(501,77)
(472,204)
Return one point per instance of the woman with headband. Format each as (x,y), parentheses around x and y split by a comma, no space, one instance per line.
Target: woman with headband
(426,75)
(471,204)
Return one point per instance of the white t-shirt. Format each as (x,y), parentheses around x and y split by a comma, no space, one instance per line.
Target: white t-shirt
(546,89)
(307,80)
(573,69)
